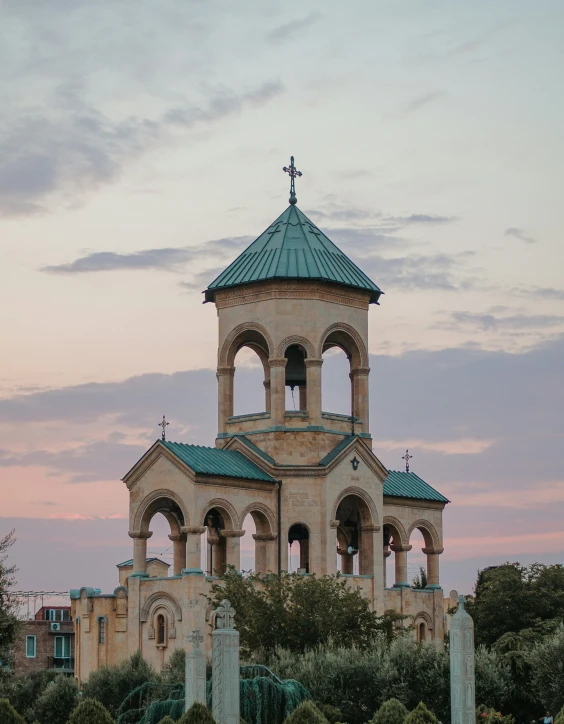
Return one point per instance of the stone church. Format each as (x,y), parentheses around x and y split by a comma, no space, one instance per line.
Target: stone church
(307,477)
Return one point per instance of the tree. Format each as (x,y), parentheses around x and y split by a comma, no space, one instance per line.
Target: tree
(9,621)
(197,714)
(420,580)
(167,720)
(306,713)
(90,711)
(24,691)
(559,719)
(547,669)
(421,715)
(58,701)
(392,711)
(8,715)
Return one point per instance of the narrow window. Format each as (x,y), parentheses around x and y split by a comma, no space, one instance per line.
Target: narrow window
(161,630)
(30,646)
(422,632)
(102,631)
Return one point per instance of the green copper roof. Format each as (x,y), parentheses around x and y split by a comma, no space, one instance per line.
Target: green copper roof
(409,485)
(293,248)
(214,461)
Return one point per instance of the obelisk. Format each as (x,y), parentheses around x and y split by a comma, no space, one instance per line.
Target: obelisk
(462,677)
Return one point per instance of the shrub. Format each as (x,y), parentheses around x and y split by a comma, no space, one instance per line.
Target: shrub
(166,720)
(486,715)
(57,701)
(197,714)
(559,717)
(306,713)
(8,715)
(421,715)
(331,713)
(90,711)
(23,691)
(547,669)
(111,684)
(392,711)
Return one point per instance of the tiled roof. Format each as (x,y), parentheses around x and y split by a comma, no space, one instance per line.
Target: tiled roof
(293,248)
(410,485)
(215,461)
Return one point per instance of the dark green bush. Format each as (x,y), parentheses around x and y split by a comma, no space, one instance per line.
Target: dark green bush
(90,711)
(421,715)
(8,715)
(167,720)
(559,717)
(58,701)
(392,711)
(487,715)
(331,713)
(197,714)
(306,713)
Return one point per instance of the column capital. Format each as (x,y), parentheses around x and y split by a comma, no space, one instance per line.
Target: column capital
(264,536)
(370,527)
(334,523)
(232,533)
(177,537)
(140,534)
(430,550)
(387,553)
(277,361)
(225,371)
(311,362)
(359,371)
(193,529)
(400,549)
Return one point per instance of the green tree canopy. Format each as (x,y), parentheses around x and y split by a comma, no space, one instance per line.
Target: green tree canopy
(90,711)
(8,715)
(392,711)
(197,714)
(57,701)
(306,713)
(421,715)
(9,621)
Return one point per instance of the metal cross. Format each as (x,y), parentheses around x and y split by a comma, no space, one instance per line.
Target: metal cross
(163,424)
(407,457)
(196,639)
(293,171)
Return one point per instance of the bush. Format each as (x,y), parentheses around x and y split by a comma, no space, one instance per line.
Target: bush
(392,711)
(57,701)
(331,713)
(485,715)
(167,720)
(494,683)
(547,669)
(90,711)
(8,715)
(24,691)
(421,715)
(197,714)
(306,713)
(560,717)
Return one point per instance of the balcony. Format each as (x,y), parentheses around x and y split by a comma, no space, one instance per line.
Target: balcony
(66,665)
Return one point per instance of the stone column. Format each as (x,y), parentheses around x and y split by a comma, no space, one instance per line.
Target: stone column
(264,562)
(140,552)
(195,681)
(433,554)
(224,395)
(179,551)
(401,565)
(303,397)
(193,550)
(277,390)
(266,384)
(233,547)
(462,677)
(225,666)
(360,405)
(313,383)
(346,563)
(366,544)
(387,554)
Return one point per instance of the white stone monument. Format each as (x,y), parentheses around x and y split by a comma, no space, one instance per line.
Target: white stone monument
(462,677)
(195,684)
(225,666)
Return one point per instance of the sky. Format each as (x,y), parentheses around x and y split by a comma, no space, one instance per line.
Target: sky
(141,149)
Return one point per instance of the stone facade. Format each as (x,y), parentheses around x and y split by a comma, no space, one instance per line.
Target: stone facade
(324,486)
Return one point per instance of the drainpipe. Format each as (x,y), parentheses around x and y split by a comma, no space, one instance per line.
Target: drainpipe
(279,527)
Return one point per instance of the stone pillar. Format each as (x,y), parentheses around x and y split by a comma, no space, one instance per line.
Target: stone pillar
(277,390)
(265,553)
(313,377)
(266,384)
(140,552)
(179,550)
(304,554)
(366,544)
(193,550)
(195,681)
(225,666)
(225,377)
(360,404)
(303,397)
(462,677)
(387,554)
(401,565)
(233,547)
(346,563)
(433,554)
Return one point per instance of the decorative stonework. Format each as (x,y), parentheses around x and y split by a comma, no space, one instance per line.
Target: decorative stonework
(195,680)
(225,506)
(397,525)
(462,674)
(356,338)
(428,530)
(295,339)
(229,348)
(164,599)
(225,665)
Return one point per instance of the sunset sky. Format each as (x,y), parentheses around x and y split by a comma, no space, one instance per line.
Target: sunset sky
(141,148)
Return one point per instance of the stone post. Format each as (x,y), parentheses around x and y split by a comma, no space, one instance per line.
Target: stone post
(233,547)
(433,566)
(401,565)
(313,384)
(277,390)
(225,377)
(462,677)
(140,552)
(359,380)
(225,666)
(193,550)
(387,554)
(265,553)
(266,384)
(179,551)
(195,683)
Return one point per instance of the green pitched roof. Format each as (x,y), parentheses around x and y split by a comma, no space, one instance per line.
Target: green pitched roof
(410,485)
(293,248)
(214,461)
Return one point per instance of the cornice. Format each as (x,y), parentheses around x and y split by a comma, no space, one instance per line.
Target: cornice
(414,503)
(290,289)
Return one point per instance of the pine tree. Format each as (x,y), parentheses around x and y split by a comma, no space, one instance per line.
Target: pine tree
(306,713)
(392,711)
(421,715)
(90,711)
(167,720)
(197,714)
(8,715)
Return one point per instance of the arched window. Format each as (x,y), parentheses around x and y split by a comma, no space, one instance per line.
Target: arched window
(298,561)
(336,384)
(355,537)
(161,630)
(296,378)
(421,632)
(248,383)
(101,630)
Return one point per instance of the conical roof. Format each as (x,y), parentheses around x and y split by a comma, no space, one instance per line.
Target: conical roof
(293,248)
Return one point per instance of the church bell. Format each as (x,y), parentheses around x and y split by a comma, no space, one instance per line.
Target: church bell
(295,367)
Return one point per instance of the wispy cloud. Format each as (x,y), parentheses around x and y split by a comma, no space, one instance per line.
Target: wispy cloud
(491,322)
(520,234)
(289,30)
(415,104)
(539,292)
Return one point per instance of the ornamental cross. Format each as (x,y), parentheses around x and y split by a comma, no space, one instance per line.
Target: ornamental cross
(195,639)
(163,424)
(224,615)
(407,457)
(293,171)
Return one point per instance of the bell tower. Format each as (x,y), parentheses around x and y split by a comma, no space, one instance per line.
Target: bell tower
(290,296)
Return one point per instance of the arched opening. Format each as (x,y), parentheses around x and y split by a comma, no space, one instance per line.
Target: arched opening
(160,545)
(416,561)
(395,541)
(249,388)
(296,378)
(258,546)
(351,395)
(215,544)
(161,630)
(335,382)
(355,537)
(298,548)
(425,557)
(421,632)
(155,517)
(102,630)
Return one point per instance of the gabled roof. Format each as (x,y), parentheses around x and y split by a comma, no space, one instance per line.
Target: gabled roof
(410,485)
(149,560)
(293,248)
(215,461)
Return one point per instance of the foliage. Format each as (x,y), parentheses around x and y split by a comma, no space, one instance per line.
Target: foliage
(511,597)
(306,713)
(546,660)
(24,691)
(421,715)
(197,714)
(90,711)
(420,580)
(559,719)
(150,702)
(9,621)
(494,686)
(8,715)
(110,685)
(331,713)
(264,698)
(485,715)
(57,701)
(174,670)
(166,720)
(299,612)
(392,711)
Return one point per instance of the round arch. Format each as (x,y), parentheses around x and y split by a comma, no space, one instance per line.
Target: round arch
(348,339)
(428,531)
(166,600)
(230,517)
(265,518)
(247,334)
(397,528)
(364,496)
(295,339)
(168,504)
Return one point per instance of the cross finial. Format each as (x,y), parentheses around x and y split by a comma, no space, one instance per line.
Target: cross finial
(407,457)
(195,639)
(461,602)
(163,424)
(293,171)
